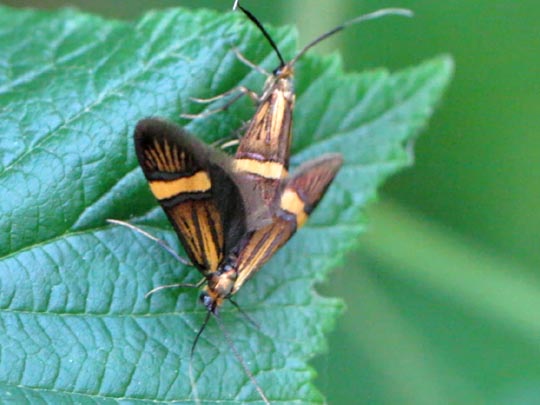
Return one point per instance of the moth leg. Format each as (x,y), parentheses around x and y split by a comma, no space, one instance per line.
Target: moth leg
(225,143)
(160,242)
(228,144)
(241,90)
(233,140)
(249,63)
(176,285)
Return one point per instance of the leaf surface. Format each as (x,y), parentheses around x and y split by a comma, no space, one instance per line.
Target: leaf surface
(74,324)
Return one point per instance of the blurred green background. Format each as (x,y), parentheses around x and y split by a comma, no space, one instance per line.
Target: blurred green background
(443,291)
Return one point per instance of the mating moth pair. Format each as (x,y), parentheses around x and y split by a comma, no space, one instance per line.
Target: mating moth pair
(232,214)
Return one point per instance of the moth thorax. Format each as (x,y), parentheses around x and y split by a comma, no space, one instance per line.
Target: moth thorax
(285,86)
(284,72)
(221,282)
(279,84)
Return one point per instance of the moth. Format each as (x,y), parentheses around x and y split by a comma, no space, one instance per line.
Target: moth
(264,150)
(214,211)
(220,219)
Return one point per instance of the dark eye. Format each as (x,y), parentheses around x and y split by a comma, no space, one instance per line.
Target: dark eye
(206,300)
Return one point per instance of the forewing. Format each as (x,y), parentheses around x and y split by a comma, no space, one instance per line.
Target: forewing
(303,191)
(195,188)
(263,152)
(299,196)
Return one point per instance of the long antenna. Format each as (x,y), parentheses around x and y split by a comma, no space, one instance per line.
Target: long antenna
(370,16)
(199,333)
(383,12)
(240,359)
(262,29)
(191,377)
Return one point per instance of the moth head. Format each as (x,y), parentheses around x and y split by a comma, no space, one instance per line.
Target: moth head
(284,71)
(210,299)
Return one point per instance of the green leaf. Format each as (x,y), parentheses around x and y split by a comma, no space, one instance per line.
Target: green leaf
(74,324)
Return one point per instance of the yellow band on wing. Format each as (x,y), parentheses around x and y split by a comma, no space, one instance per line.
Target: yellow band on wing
(291,202)
(199,182)
(268,170)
